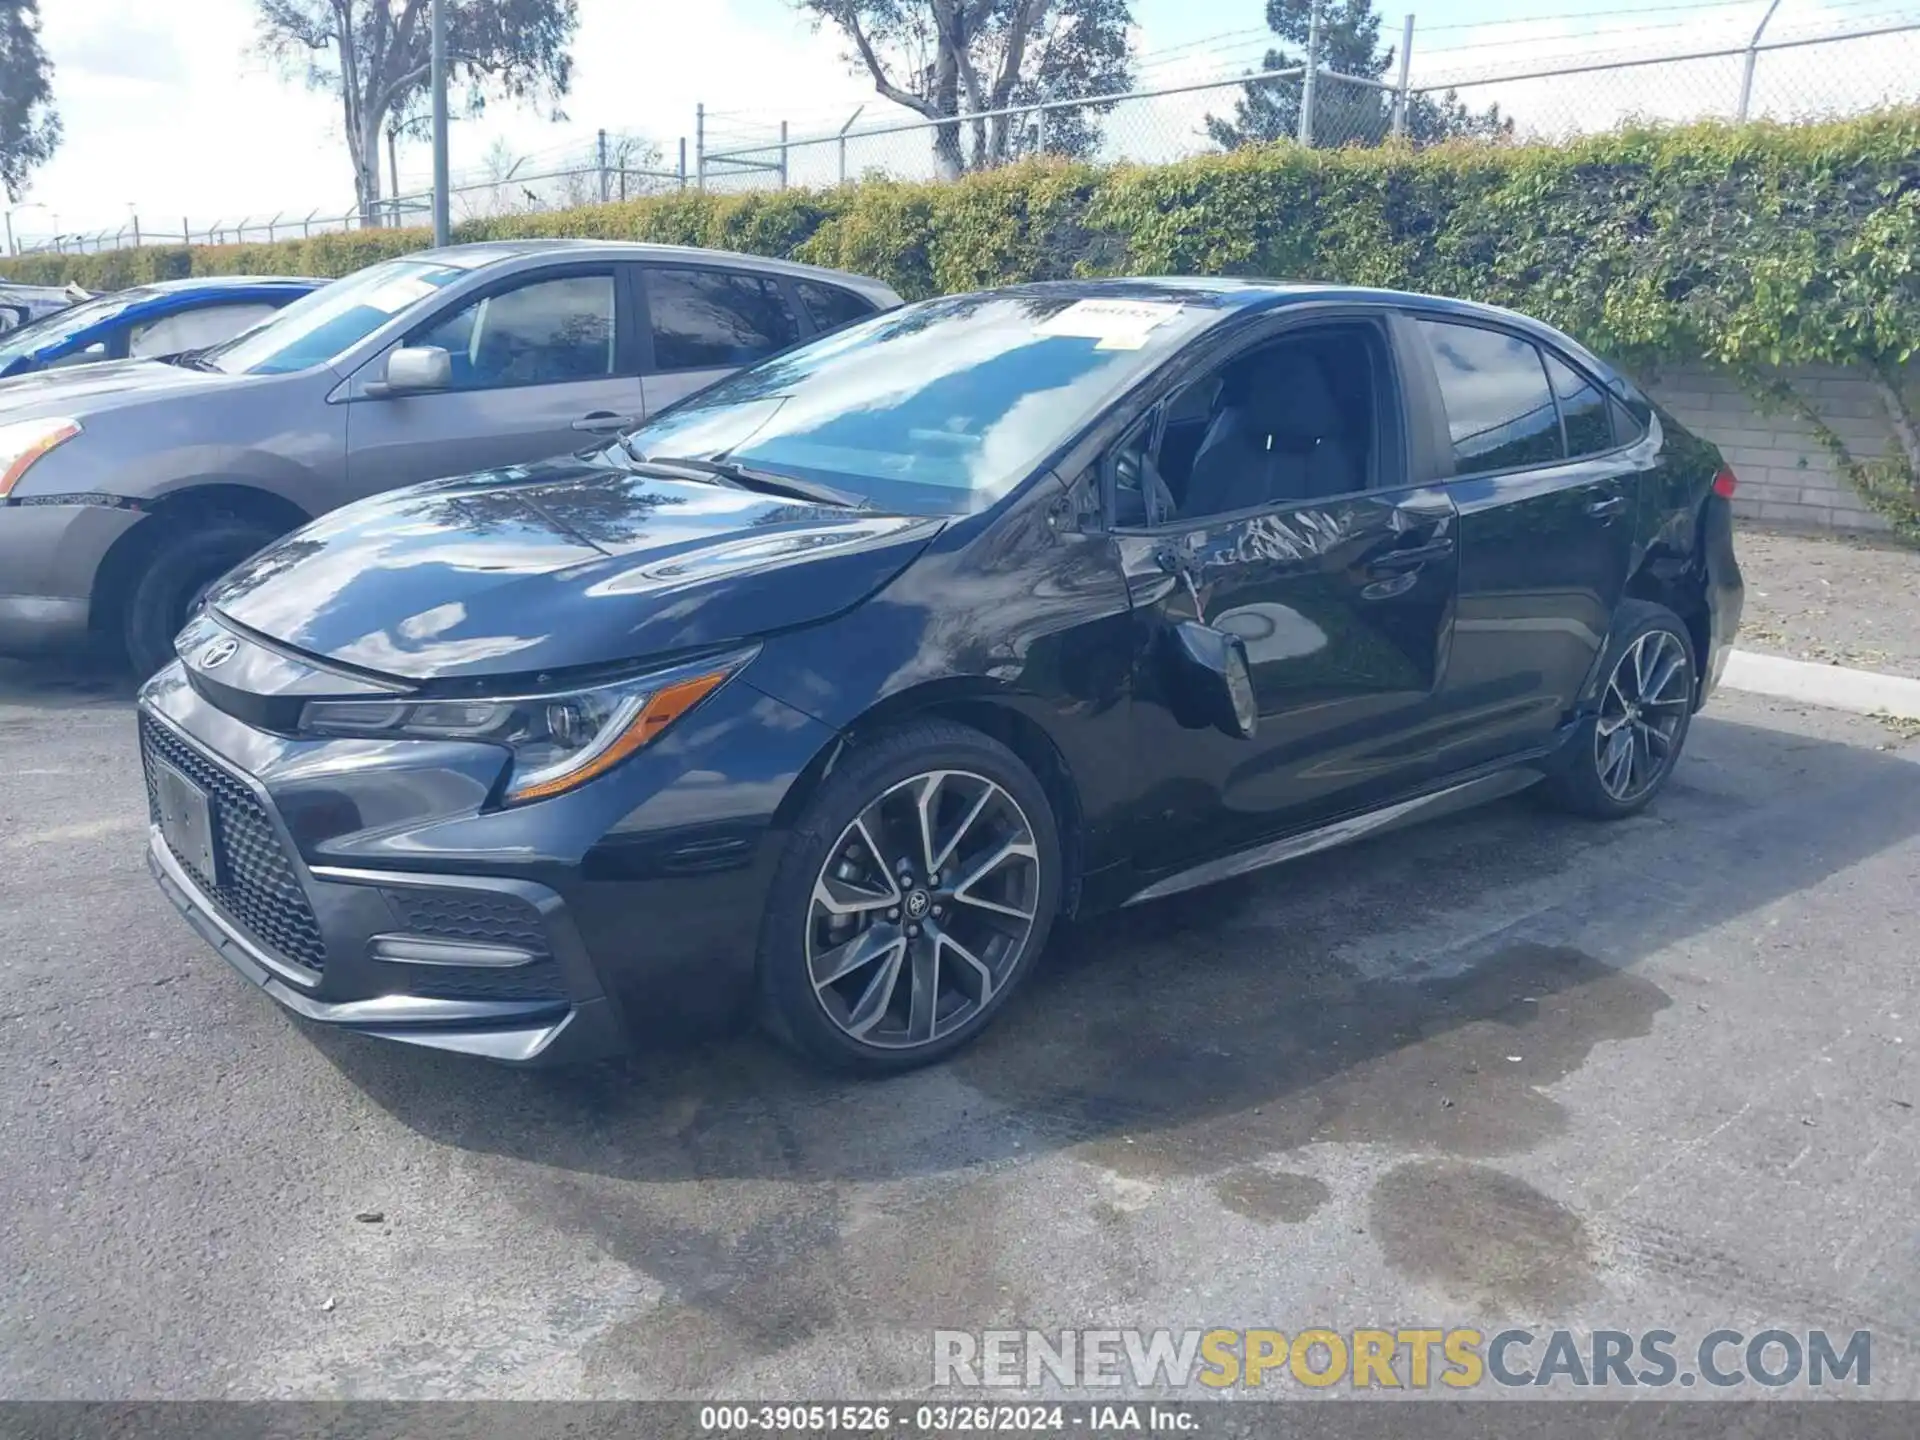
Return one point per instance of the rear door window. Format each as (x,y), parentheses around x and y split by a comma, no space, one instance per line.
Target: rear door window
(829,307)
(714,319)
(1583,410)
(1500,408)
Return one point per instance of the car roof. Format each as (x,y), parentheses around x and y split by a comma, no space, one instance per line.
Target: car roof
(203,283)
(1234,295)
(488,253)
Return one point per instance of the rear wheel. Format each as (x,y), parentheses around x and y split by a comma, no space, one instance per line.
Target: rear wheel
(913,898)
(1622,755)
(179,572)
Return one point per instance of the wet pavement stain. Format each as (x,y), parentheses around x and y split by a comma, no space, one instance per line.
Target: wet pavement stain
(1482,1237)
(1271,1195)
(812,1263)
(1249,1060)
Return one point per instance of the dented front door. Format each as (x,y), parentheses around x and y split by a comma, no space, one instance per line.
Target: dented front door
(1346,609)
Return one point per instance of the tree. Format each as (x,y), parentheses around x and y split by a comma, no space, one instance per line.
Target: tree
(951,59)
(1342,114)
(374,54)
(29,125)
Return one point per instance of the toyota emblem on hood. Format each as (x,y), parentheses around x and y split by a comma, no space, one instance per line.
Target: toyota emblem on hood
(218,653)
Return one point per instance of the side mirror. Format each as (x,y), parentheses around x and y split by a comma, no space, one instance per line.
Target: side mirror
(414,369)
(1210,682)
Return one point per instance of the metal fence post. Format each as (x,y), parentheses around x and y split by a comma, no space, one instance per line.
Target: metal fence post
(1306,81)
(1753,54)
(783,154)
(1039,132)
(700,146)
(843,140)
(1402,97)
(186,231)
(683,162)
(605,194)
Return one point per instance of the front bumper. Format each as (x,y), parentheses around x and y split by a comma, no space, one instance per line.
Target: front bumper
(372,885)
(522,1032)
(49,556)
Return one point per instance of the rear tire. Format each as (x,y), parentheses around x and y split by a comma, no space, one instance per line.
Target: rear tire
(1622,755)
(890,941)
(179,571)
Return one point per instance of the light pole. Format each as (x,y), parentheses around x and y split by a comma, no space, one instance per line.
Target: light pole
(442,209)
(13,249)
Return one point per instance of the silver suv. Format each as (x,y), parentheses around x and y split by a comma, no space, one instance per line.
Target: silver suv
(126,489)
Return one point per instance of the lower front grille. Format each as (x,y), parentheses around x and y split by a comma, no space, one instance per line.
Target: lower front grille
(261,893)
(486,918)
(478,915)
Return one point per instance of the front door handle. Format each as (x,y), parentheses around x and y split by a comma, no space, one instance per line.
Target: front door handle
(604,422)
(1411,558)
(1612,505)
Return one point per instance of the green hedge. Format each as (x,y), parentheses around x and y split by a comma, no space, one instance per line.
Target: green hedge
(1744,245)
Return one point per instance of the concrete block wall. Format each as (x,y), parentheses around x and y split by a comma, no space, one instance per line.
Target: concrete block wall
(1786,476)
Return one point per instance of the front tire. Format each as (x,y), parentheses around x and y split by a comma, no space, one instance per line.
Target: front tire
(178,572)
(1622,755)
(914,897)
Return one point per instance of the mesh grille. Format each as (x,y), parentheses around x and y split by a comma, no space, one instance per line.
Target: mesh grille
(261,894)
(469,915)
(484,918)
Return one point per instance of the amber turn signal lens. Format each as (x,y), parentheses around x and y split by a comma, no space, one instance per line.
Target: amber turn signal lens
(662,708)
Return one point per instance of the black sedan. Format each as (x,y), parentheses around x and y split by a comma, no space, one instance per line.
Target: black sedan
(827,691)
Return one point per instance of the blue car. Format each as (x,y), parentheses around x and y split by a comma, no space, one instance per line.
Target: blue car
(149,322)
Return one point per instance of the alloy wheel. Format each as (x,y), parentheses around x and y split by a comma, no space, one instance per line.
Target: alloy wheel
(923,909)
(1641,715)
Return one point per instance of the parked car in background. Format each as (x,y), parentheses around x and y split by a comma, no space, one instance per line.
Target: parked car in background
(21,305)
(126,488)
(150,322)
(827,690)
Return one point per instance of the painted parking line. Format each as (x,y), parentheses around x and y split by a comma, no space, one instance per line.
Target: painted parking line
(1834,686)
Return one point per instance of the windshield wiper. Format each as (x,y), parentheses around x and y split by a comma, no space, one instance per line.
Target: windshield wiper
(748,478)
(193,360)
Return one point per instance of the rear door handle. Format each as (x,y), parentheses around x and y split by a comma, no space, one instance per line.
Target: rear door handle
(1412,558)
(1612,505)
(602,422)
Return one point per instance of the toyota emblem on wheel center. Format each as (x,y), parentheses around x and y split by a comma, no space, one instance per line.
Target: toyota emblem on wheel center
(218,653)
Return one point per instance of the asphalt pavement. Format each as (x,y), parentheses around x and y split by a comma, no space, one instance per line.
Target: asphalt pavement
(1507,1068)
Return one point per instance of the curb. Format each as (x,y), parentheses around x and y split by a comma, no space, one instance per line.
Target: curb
(1834,686)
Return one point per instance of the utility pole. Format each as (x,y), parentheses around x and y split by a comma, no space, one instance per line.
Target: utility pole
(1402,97)
(1306,81)
(1753,54)
(442,202)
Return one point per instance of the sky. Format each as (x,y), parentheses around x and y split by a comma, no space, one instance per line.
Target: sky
(170,114)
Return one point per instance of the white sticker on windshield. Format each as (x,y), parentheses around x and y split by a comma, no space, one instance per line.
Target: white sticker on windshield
(396,295)
(1116,324)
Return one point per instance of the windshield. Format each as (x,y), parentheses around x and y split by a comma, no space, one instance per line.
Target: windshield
(333,319)
(940,408)
(58,328)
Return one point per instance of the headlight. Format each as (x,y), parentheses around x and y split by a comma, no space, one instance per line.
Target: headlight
(26,441)
(559,740)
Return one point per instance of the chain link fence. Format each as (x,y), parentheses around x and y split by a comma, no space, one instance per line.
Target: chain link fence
(1793,78)
(1787,77)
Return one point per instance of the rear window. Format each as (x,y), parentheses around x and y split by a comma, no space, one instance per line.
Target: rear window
(829,307)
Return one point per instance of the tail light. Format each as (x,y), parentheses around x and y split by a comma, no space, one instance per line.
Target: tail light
(1725,483)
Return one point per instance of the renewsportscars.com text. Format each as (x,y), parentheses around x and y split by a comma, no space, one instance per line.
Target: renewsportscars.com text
(1398,1359)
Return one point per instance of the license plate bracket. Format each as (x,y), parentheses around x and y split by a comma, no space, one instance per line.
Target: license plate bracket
(187,822)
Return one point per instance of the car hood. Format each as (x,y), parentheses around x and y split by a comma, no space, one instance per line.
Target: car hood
(569,564)
(84,390)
